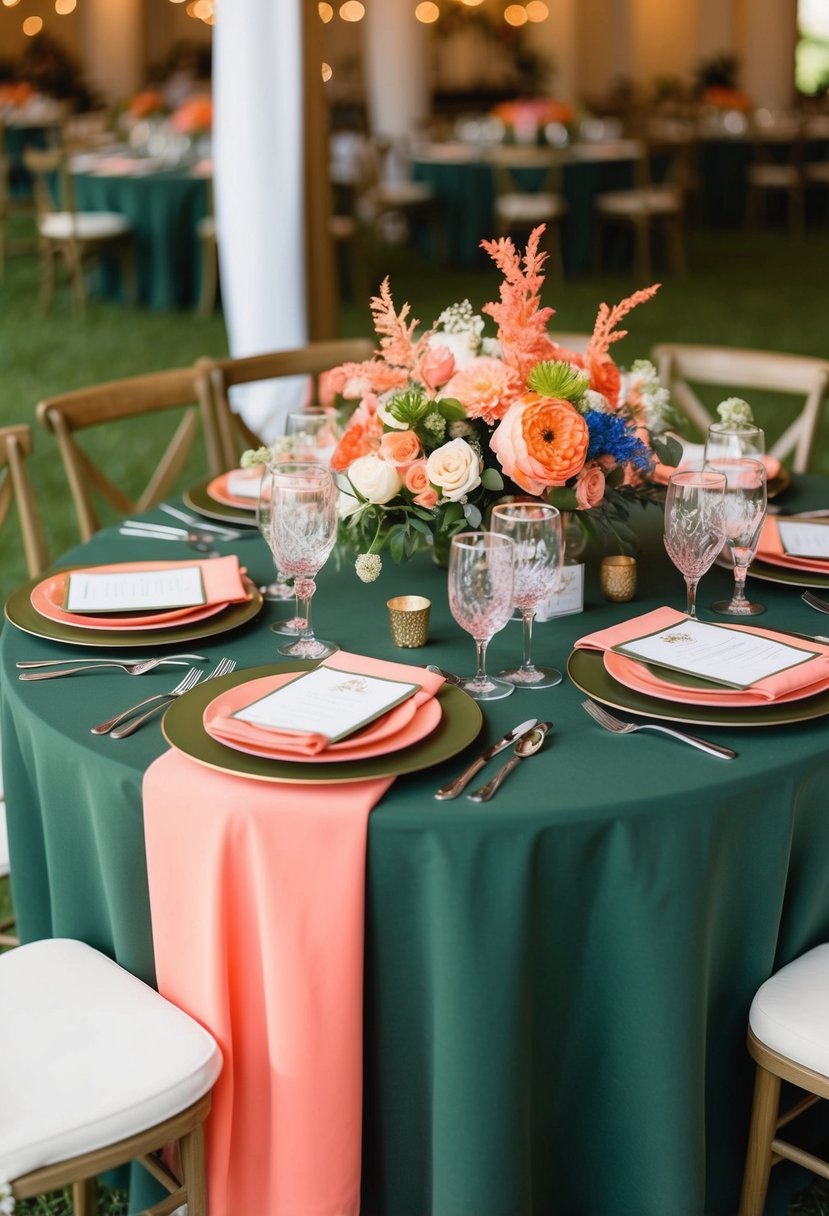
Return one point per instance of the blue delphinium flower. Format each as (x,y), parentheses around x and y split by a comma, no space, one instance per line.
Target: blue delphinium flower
(612,435)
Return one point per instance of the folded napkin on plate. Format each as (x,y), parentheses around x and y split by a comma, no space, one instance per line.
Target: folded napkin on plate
(770,549)
(692,458)
(223,582)
(234,730)
(812,672)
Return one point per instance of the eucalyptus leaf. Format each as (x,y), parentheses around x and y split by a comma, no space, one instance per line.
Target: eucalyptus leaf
(473,515)
(491,479)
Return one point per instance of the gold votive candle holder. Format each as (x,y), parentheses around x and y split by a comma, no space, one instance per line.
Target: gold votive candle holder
(617,578)
(409,620)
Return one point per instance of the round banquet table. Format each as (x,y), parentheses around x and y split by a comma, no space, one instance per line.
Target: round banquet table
(557,982)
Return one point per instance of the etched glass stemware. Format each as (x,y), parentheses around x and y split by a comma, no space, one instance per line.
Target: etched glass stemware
(734,441)
(480,600)
(694,525)
(280,588)
(536,531)
(314,434)
(303,531)
(745,511)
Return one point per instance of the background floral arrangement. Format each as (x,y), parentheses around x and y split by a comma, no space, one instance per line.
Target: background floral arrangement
(449,422)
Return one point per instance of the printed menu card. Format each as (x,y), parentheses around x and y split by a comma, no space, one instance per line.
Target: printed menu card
(802,539)
(327,702)
(717,653)
(134,590)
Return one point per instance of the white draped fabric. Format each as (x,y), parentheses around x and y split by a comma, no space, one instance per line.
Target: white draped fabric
(258,177)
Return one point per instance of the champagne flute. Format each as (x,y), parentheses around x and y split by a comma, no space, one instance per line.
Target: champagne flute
(314,434)
(303,531)
(480,599)
(694,525)
(745,511)
(734,441)
(535,529)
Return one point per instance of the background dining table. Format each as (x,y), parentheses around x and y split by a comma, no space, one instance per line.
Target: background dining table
(557,982)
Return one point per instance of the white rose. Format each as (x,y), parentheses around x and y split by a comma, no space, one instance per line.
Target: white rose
(454,468)
(373,478)
(464,346)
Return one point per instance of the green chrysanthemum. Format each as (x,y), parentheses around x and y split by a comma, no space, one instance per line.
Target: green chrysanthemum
(557,379)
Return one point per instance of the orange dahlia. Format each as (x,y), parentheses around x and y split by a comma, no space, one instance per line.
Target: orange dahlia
(541,442)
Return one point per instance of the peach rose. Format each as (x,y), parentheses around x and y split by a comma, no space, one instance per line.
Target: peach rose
(540,442)
(455,468)
(417,483)
(400,448)
(590,486)
(437,366)
(361,436)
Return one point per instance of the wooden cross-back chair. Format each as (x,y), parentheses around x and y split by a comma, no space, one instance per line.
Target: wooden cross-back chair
(16,487)
(226,432)
(737,369)
(117,402)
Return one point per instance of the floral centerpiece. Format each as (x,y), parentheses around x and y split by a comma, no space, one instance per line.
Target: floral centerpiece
(448,422)
(149,103)
(193,117)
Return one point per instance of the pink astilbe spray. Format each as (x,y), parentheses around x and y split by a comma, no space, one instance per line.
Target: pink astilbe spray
(605,377)
(522,323)
(396,336)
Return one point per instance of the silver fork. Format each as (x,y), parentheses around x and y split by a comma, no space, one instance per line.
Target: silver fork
(189,680)
(619,727)
(814,601)
(223,668)
(137,668)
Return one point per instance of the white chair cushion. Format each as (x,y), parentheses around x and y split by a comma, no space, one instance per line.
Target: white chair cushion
(86,225)
(4,843)
(790,1013)
(88,1055)
(652,200)
(206,228)
(403,194)
(773,177)
(526,208)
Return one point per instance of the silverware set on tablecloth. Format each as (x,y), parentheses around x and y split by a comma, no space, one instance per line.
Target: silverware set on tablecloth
(129,720)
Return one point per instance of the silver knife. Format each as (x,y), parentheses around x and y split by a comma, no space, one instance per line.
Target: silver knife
(460,783)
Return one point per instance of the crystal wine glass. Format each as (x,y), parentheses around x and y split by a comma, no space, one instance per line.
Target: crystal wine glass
(536,531)
(303,502)
(480,600)
(745,511)
(734,441)
(279,589)
(694,524)
(314,434)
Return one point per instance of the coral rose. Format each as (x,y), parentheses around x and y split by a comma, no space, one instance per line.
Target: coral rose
(362,435)
(485,389)
(455,468)
(540,442)
(605,378)
(417,483)
(589,486)
(374,479)
(400,448)
(437,366)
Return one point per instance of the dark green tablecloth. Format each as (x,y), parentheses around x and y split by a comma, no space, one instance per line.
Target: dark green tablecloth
(557,983)
(164,209)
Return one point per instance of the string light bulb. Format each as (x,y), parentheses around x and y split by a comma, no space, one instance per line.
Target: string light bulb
(515,14)
(352,10)
(326,12)
(537,10)
(32,26)
(427,12)
(63,7)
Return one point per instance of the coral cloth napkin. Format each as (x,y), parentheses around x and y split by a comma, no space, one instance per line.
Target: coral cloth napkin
(770,549)
(233,730)
(803,676)
(692,458)
(257,894)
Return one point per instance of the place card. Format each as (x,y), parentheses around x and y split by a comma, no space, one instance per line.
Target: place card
(244,485)
(731,657)
(327,702)
(134,590)
(803,539)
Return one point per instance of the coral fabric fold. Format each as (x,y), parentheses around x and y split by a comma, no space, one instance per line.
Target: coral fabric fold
(257,896)
(770,549)
(234,730)
(813,672)
(692,458)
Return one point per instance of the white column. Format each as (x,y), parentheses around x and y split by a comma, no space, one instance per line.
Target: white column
(557,40)
(396,67)
(716,28)
(113,46)
(258,178)
(769,40)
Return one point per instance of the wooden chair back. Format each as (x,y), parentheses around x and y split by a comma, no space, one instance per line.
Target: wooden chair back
(117,402)
(16,487)
(737,370)
(52,182)
(226,433)
(511,161)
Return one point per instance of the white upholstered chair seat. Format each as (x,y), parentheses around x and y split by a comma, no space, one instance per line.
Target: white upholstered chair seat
(774,177)
(84,225)
(530,208)
(89,1055)
(789,1012)
(650,200)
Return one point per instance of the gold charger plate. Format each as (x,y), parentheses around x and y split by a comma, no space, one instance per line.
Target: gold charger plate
(787,576)
(587,671)
(183,728)
(21,613)
(198,499)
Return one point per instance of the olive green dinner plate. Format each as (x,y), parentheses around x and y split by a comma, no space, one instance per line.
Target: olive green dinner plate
(183,728)
(787,576)
(587,671)
(199,500)
(20,612)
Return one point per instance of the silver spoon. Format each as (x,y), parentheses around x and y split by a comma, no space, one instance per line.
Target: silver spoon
(527,745)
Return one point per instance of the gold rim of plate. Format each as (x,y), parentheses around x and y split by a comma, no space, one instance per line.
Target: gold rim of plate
(20,612)
(183,728)
(198,499)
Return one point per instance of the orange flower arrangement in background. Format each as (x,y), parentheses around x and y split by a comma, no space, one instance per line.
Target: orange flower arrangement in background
(194,117)
(539,110)
(723,97)
(15,93)
(146,103)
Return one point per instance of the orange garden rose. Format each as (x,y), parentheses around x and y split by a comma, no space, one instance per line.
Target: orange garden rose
(590,486)
(540,443)
(417,483)
(437,366)
(400,448)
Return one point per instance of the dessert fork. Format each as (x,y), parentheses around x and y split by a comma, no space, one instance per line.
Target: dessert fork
(223,668)
(619,727)
(137,667)
(814,601)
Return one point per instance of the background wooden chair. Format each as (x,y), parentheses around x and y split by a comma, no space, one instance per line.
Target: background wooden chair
(650,206)
(16,489)
(229,435)
(734,371)
(116,402)
(776,169)
(71,235)
(788,1039)
(103,1071)
(528,192)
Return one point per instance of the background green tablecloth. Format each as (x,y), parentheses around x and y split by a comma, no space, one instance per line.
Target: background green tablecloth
(557,983)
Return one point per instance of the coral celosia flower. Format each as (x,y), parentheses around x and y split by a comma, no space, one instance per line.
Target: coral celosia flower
(485,389)
(540,442)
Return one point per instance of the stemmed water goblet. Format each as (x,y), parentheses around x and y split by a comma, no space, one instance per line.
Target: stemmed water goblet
(745,511)
(536,531)
(481,600)
(314,434)
(280,589)
(303,531)
(694,525)
(734,441)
